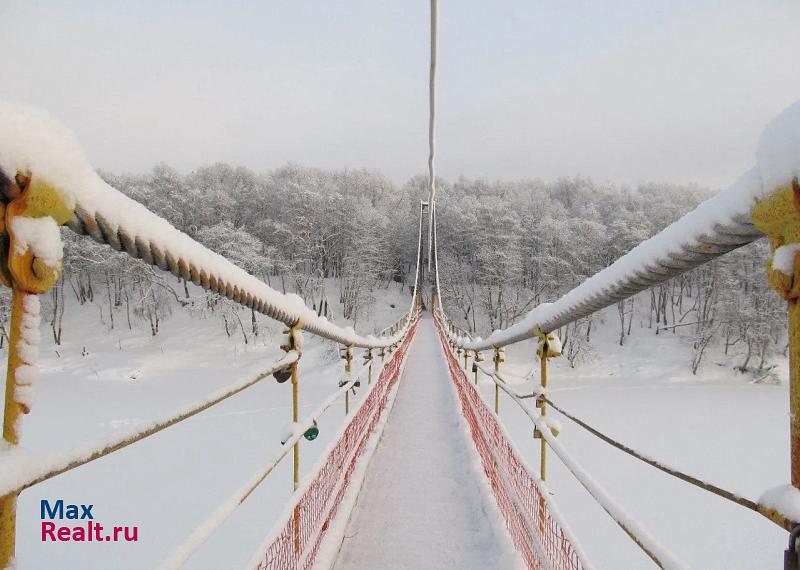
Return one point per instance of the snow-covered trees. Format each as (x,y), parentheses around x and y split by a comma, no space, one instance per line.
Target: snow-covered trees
(504,248)
(239,246)
(292,228)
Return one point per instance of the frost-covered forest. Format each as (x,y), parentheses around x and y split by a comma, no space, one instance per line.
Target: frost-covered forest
(504,248)
(507,247)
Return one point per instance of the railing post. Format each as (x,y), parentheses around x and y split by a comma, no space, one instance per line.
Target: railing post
(369,359)
(778,216)
(542,405)
(294,344)
(348,368)
(13,410)
(498,359)
(28,276)
(549,346)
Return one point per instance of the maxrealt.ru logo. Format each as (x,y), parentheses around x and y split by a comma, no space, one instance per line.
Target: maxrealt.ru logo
(88,530)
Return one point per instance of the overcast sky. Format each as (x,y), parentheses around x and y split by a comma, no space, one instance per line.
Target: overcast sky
(623,90)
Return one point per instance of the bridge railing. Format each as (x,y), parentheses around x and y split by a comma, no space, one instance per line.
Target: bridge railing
(313,506)
(547,430)
(534,523)
(296,540)
(46,182)
(764,201)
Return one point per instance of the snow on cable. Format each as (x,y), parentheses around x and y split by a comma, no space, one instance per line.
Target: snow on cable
(34,142)
(20,468)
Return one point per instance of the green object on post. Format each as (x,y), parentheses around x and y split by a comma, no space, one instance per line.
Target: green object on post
(312,432)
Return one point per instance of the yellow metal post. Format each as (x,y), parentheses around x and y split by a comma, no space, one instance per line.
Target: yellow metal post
(28,276)
(543,407)
(13,408)
(543,354)
(545,351)
(296,466)
(348,368)
(548,348)
(293,345)
(13,411)
(778,216)
(497,361)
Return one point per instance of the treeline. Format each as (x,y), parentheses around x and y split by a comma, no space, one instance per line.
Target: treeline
(504,248)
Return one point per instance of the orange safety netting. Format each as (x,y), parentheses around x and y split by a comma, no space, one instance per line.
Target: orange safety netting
(539,537)
(298,541)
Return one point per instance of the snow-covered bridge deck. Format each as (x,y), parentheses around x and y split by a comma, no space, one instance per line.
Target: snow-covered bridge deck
(423,503)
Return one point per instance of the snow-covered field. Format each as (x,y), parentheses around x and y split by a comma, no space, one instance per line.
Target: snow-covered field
(171,482)
(716,426)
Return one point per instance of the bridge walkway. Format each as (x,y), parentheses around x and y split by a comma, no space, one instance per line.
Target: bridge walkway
(423,503)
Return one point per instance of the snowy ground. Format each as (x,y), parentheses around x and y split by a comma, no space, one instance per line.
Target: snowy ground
(171,482)
(715,425)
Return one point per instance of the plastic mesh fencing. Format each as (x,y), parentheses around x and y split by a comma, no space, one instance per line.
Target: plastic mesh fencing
(538,536)
(297,542)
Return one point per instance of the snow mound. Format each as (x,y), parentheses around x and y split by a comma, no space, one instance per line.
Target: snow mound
(41,235)
(783,258)
(784,499)
(778,151)
(33,141)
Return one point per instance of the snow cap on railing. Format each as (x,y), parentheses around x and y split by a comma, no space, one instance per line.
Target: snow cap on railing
(31,140)
(778,153)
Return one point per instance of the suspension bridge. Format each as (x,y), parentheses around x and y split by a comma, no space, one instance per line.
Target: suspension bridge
(387,494)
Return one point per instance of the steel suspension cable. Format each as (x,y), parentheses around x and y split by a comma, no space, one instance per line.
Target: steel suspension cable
(49,159)
(699,483)
(432,123)
(26,473)
(436,255)
(222,513)
(187,259)
(501,381)
(419,255)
